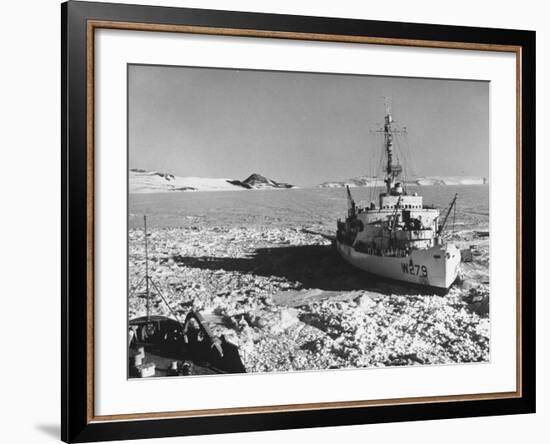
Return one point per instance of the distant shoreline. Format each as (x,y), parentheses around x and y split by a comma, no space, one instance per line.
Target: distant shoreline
(145,182)
(311,187)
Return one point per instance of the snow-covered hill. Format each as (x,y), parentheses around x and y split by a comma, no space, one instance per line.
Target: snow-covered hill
(258,182)
(451,180)
(366,181)
(143,181)
(362,181)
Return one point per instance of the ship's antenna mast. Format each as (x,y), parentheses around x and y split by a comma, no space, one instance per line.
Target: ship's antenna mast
(146,268)
(392,170)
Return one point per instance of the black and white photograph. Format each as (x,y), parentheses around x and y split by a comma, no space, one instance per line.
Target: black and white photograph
(299,221)
(276,221)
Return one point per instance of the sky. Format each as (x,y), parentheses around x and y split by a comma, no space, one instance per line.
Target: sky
(301,128)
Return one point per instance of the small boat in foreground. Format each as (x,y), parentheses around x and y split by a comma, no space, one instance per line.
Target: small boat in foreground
(165,346)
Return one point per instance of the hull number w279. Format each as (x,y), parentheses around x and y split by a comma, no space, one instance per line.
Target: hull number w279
(414,269)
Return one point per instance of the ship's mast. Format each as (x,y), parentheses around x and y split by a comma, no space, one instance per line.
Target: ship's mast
(149,282)
(147,291)
(393,170)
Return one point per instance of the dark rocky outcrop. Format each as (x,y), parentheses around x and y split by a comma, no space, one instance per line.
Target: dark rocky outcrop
(256,180)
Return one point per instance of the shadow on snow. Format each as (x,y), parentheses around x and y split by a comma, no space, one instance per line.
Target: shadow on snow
(312,266)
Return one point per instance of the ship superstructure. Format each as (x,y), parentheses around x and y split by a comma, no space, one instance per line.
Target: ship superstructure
(398,237)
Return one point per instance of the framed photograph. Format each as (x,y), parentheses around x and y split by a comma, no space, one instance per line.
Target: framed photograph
(276,221)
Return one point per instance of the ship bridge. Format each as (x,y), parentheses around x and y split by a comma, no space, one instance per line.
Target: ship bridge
(402,201)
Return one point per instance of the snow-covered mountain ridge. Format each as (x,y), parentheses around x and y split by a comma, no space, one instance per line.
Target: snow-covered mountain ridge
(143,181)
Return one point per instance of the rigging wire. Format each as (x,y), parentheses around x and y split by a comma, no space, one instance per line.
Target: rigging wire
(373,167)
(454,217)
(400,159)
(411,160)
(381,154)
(379,164)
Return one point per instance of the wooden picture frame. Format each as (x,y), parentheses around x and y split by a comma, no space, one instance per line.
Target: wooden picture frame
(79,22)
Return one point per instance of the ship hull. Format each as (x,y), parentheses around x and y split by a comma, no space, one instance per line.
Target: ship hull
(437,266)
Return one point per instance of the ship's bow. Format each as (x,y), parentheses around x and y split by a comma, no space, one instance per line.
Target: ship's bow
(452,264)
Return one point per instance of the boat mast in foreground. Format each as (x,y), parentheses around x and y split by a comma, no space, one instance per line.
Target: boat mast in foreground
(160,345)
